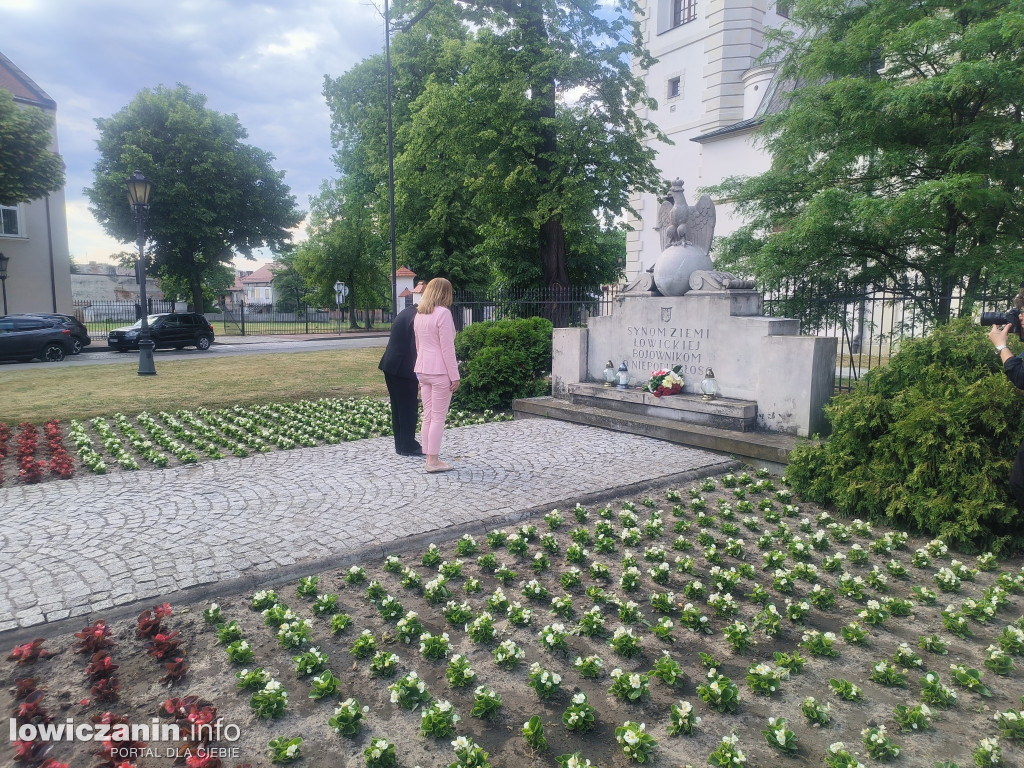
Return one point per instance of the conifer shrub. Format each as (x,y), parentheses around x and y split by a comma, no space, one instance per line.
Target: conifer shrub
(501,360)
(925,444)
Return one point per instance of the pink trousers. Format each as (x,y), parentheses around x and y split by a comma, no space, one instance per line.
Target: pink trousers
(436,393)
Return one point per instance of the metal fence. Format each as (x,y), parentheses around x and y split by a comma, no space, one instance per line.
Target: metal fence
(265,320)
(564,307)
(871,319)
(103,316)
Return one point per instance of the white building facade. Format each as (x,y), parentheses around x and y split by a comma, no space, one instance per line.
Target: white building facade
(34,236)
(710,98)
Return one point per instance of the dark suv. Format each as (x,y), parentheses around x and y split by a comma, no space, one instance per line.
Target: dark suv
(23,337)
(175,329)
(79,333)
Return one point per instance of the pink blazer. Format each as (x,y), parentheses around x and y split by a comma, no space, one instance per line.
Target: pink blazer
(435,343)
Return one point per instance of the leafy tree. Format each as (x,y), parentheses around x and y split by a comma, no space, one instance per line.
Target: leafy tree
(212,194)
(290,289)
(344,245)
(900,153)
(28,168)
(517,143)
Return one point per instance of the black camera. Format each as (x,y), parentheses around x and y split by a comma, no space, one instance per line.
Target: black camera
(1010,317)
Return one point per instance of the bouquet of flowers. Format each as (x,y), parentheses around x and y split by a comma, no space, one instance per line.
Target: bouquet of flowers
(666,382)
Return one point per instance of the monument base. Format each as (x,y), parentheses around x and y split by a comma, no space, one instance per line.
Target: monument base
(723,413)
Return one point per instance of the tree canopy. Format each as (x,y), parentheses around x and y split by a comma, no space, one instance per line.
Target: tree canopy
(900,152)
(28,168)
(213,195)
(517,142)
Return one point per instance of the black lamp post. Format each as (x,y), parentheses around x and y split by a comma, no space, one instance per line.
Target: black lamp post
(3,277)
(391,161)
(139,188)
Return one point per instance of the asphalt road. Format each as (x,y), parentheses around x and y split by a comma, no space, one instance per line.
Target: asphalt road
(99,354)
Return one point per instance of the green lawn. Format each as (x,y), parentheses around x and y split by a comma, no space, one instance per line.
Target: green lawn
(80,392)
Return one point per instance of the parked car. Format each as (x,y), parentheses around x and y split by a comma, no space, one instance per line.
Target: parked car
(23,337)
(172,329)
(79,333)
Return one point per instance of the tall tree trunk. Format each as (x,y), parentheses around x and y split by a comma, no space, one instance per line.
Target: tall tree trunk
(543,90)
(196,283)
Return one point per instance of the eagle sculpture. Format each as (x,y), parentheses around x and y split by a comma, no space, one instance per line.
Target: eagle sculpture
(683,224)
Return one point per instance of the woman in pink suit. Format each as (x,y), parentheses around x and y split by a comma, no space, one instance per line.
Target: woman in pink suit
(436,368)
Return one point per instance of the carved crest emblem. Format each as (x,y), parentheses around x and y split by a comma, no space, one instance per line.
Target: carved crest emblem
(666,314)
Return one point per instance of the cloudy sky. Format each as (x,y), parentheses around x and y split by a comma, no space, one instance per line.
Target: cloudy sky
(263,61)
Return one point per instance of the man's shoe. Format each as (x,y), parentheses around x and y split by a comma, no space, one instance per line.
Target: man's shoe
(414,452)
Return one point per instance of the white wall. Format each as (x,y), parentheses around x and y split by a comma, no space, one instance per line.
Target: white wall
(712,56)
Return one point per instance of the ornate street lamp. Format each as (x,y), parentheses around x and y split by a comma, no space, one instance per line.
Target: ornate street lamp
(139,188)
(3,277)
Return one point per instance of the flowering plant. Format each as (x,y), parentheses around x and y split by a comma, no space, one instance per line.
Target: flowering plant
(683,719)
(779,735)
(629,687)
(579,715)
(588,667)
(636,743)
(665,382)
(380,754)
(545,683)
(409,691)
(486,703)
(533,733)
(727,753)
(438,720)
(459,673)
(285,750)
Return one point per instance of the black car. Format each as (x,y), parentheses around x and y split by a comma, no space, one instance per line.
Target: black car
(79,333)
(174,329)
(23,337)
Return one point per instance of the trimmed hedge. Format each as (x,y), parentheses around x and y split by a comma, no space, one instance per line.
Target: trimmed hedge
(925,444)
(501,360)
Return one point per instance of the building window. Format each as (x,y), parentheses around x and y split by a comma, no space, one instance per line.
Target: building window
(782,7)
(10,223)
(674,90)
(683,12)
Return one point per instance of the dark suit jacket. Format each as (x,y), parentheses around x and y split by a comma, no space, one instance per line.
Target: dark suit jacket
(400,355)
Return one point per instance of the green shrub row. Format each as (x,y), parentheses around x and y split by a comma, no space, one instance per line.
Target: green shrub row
(501,360)
(925,444)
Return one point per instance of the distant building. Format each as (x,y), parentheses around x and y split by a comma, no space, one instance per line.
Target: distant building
(258,286)
(95,282)
(711,98)
(34,236)
(405,280)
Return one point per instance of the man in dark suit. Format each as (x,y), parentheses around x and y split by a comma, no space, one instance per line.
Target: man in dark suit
(397,364)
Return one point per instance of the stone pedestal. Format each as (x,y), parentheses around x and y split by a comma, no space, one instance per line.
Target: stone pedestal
(757,360)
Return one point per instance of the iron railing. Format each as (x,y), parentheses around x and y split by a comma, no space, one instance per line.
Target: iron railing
(871,319)
(564,307)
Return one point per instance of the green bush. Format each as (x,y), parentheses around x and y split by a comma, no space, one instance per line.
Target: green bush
(501,360)
(925,444)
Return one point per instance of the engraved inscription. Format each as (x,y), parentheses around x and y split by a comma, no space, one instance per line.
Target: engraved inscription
(663,347)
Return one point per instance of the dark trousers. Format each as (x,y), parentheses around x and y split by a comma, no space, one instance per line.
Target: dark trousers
(404,411)
(1017,477)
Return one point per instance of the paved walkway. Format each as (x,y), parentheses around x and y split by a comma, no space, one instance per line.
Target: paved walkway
(68,548)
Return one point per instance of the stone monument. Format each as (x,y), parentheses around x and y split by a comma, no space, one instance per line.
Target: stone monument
(683,312)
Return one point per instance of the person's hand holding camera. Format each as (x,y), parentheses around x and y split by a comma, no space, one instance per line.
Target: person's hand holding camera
(997,335)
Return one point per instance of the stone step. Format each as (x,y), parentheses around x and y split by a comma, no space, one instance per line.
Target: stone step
(723,413)
(756,447)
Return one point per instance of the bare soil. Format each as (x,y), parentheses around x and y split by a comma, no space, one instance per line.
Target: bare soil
(954,735)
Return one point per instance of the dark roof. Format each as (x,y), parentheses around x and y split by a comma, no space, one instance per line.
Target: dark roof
(773,102)
(22,86)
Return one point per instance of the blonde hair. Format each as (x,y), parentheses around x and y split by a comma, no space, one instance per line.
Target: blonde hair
(438,293)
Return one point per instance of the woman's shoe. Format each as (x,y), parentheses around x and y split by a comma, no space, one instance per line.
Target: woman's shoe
(439,468)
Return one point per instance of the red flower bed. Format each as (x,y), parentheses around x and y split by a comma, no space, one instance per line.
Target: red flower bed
(61,463)
(30,470)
